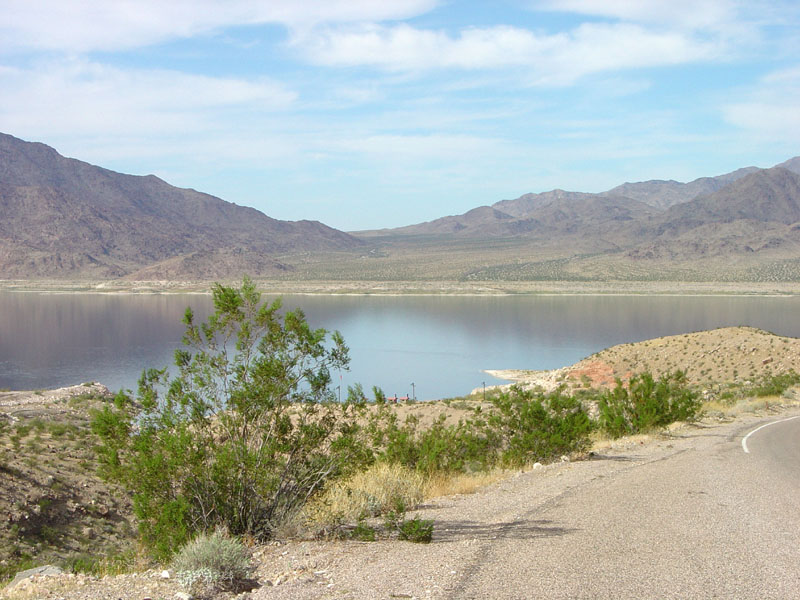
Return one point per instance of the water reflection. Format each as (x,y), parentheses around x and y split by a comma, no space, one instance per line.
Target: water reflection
(439,343)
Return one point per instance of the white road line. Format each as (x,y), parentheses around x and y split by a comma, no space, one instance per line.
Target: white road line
(744,439)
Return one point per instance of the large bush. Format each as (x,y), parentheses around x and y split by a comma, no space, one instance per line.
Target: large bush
(538,427)
(646,404)
(521,427)
(242,435)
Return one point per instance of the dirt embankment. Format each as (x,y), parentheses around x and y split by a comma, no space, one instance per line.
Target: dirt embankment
(53,507)
(727,355)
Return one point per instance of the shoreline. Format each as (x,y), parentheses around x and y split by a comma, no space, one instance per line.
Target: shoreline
(415,288)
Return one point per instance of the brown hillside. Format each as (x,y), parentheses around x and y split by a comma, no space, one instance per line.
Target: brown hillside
(730,354)
(67,218)
(54,508)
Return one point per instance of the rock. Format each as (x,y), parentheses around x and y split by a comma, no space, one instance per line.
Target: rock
(182,596)
(164,574)
(28,573)
(537,465)
(565,458)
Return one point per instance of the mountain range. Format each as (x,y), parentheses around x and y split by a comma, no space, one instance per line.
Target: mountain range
(63,218)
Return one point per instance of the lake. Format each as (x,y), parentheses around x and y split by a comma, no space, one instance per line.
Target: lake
(441,344)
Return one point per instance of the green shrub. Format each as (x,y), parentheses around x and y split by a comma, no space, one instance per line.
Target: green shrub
(82,563)
(394,518)
(522,427)
(468,445)
(539,427)
(775,385)
(363,532)
(416,530)
(244,433)
(211,563)
(20,561)
(646,404)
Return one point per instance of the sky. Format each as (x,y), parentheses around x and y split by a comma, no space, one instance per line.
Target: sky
(381,113)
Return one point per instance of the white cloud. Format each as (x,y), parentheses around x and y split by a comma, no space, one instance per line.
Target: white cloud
(556,58)
(693,13)
(421,148)
(83,97)
(771,110)
(87,25)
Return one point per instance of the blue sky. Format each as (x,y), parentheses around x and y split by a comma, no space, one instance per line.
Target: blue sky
(366,114)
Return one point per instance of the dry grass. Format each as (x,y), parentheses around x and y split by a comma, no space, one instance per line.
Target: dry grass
(450,484)
(721,408)
(377,490)
(366,494)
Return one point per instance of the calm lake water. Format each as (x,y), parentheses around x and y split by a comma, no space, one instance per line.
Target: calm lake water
(441,344)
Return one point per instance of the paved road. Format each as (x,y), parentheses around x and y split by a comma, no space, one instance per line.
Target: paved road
(688,516)
(702,519)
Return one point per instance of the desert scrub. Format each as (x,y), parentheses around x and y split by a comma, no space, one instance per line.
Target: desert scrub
(775,385)
(520,427)
(368,493)
(211,563)
(466,446)
(534,427)
(645,404)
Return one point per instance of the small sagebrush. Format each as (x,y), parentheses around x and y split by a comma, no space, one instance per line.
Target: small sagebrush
(213,562)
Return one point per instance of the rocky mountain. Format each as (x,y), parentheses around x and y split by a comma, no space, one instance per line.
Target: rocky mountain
(62,217)
(759,213)
(793,165)
(767,195)
(744,224)
(528,203)
(663,194)
(551,213)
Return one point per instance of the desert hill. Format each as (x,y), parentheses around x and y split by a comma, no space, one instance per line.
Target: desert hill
(64,218)
(728,357)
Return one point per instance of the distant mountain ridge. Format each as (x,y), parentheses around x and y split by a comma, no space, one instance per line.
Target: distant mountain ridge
(664,194)
(747,193)
(63,217)
(741,224)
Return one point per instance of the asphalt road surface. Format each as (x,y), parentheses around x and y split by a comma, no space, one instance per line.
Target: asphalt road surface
(702,519)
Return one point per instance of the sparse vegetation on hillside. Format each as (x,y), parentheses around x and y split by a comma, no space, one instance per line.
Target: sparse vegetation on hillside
(54,508)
